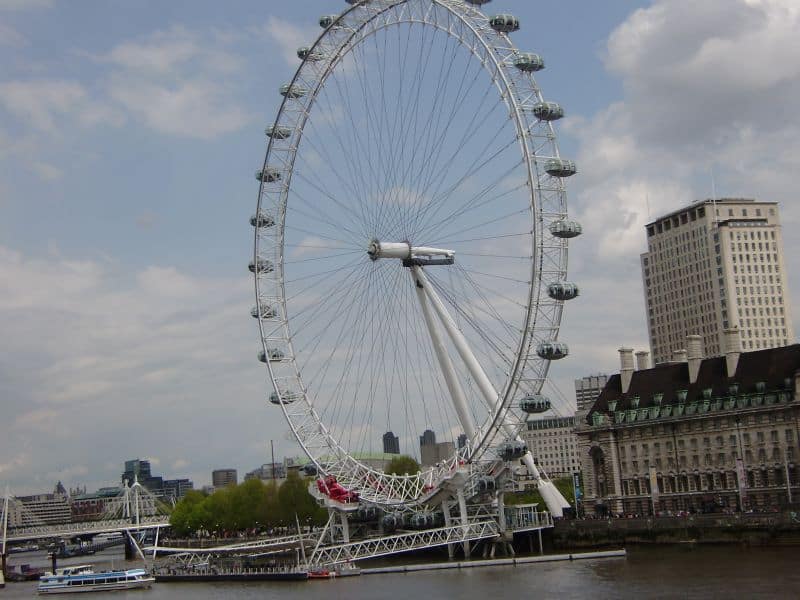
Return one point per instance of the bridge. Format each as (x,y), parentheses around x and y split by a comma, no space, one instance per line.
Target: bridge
(134,509)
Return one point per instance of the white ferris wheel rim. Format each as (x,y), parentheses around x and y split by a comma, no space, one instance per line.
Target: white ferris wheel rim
(495,52)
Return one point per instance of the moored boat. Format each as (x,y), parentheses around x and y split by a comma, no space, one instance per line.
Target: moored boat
(82,578)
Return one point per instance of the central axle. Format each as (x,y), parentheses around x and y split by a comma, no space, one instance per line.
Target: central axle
(412,256)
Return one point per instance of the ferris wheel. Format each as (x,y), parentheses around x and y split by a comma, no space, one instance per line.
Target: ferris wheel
(411,244)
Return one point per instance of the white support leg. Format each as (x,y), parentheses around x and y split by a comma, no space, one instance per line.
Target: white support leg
(556,503)
(451,548)
(449,372)
(462,507)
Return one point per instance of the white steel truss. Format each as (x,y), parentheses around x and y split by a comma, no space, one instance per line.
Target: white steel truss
(537,143)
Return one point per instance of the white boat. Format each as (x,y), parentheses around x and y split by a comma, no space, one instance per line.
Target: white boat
(82,578)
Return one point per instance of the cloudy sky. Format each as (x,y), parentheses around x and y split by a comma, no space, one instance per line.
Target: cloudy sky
(129,133)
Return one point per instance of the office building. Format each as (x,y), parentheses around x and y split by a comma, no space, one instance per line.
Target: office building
(222,477)
(587,389)
(391,443)
(714,265)
(554,445)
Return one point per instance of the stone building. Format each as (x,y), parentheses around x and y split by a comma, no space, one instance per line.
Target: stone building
(714,265)
(696,434)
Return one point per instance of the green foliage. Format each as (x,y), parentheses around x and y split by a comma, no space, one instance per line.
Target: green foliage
(252,504)
(402,465)
(563,484)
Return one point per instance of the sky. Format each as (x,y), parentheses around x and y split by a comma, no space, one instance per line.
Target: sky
(129,134)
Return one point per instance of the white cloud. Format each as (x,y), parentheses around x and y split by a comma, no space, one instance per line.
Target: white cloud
(24,4)
(135,358)
(289,38)
(709,87)
(11,37)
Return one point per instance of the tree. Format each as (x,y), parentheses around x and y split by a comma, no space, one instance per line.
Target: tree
(402,465)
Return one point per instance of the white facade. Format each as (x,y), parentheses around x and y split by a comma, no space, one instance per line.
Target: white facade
(554,445)
(712,266)
(587,389)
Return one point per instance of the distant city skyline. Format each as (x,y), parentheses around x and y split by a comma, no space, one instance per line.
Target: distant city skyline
(130,134)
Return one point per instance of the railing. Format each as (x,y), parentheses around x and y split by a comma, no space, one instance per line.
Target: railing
(70,529)
(382,546)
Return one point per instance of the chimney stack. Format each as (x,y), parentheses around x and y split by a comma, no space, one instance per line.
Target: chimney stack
(733,348)
(679,356)
(626,368)
(694,345)
(642,360)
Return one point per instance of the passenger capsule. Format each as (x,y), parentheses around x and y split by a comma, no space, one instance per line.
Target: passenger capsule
(326,21)
(534,404)
(512,450)
(486,484)
(310,469)
(292,91)
(277,132)
(367,513)
(273,354)
(391,522)
(548,111)
(477,2)
(267,311)
(305,53)
(262,220)
(562,290)
(268,175)
(529,62)
(504,23)
(421,520)
(285,398)
(566,229)
(560,167)
(261,266)
(552,350)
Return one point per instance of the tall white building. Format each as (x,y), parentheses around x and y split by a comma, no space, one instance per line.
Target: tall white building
(712,266)
(554,445)
(587,390)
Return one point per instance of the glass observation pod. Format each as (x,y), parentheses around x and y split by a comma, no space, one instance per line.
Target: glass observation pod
(534,404)
(278,132)
(292,91)
(512,450)
(421,520)
(566,229)
(274,355)
(326,21)
(548,111)
(267,312)
(560,167)
(391,522)
(268,175)
(562,290)
(262,220)
(504,23)
(485,484)
(529,62)
(478,2)
(262,265)
(310,469)
(287,397)
(367,513)
(305,53)
(552,350)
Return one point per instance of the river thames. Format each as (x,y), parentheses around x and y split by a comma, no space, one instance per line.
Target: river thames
(647,572)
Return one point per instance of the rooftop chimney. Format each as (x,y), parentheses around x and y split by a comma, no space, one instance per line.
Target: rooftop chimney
(733,348)
(642,360)
(679,356)
(694,345)
(626,368)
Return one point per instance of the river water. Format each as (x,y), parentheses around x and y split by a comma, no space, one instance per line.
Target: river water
(647,572)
